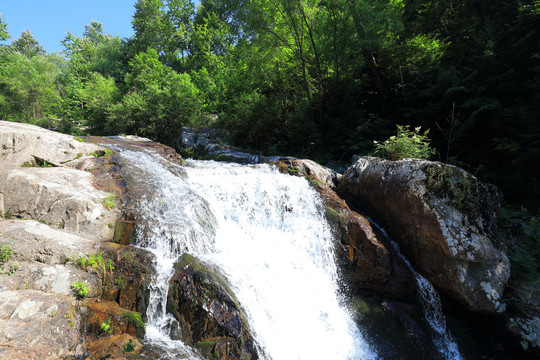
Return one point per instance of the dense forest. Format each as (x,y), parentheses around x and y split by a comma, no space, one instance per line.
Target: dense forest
(312,78)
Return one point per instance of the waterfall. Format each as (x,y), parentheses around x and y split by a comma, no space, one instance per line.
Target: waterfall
(267,234)
(431,304)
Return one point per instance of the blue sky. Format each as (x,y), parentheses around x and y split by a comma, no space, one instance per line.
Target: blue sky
(49,21)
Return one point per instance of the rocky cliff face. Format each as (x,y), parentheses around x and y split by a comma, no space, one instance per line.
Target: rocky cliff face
(52,218)
(443,218)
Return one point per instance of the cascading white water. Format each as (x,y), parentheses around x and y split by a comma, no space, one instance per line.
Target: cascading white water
(431,303)
(276,248)
(171,226)
(267,233)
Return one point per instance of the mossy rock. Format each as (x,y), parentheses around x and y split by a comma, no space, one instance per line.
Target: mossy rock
(209,314)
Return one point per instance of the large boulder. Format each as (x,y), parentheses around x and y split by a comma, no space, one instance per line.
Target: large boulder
(209,314)
(443,218)
(365,262)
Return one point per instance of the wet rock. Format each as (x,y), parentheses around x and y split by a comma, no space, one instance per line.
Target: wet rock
(209,315)
(309,169)
(136,143)
(443,218)
(527,330)
(118,320)
(401,312)
(221,152)
(364,259)
(128,283)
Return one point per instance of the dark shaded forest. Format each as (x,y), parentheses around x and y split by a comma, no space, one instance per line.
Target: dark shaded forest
(313,78)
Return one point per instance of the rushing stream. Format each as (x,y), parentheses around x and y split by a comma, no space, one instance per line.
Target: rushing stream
(268,235)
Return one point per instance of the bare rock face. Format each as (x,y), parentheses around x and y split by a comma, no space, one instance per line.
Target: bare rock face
(64,198)
(20,143)
(443,218)
(43,177)
(38,242)
(37,323)
(57,195)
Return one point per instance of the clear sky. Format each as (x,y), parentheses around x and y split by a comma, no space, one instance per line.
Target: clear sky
(49,21)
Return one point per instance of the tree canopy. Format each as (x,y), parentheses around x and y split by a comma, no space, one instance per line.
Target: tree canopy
(310,78)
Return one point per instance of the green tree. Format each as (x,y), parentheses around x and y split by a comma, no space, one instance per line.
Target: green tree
(29,87)
(159,101)
(27,45)
(4,34)
(97,64)
(165,26)
(96,51)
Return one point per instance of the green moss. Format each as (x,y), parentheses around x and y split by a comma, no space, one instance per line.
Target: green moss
(110,201)
(136,320)
(120,282)
(207,349)
(29,164)
(314,183)
(456,185)
(293,170)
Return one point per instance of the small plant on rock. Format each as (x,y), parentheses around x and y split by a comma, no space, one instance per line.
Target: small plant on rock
(106,326)
(81,289)
(5,253)
(109,202)
(128,346)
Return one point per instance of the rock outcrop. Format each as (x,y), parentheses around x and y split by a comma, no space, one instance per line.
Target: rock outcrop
(210,144)
(35,322)
(309,169)
(20,143)
(53,221)
(64,198)
(444,220)
(210,316)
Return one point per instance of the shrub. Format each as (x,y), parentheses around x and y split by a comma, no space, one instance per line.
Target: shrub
(405,144)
